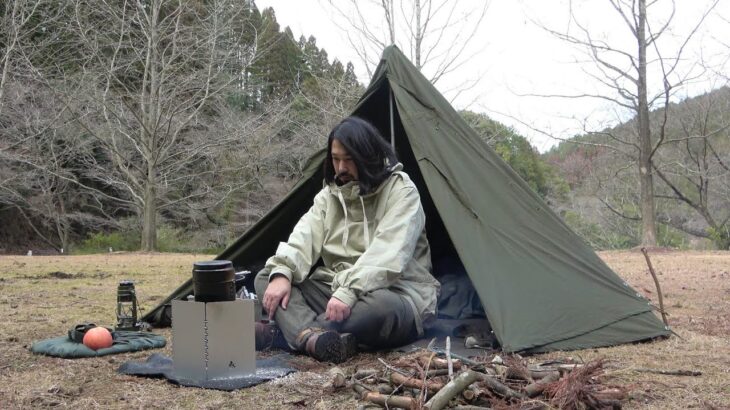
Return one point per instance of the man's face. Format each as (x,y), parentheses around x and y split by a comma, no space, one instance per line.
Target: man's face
(344,166)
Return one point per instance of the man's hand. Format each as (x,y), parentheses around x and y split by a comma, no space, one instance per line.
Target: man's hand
(277,293)
(337,310)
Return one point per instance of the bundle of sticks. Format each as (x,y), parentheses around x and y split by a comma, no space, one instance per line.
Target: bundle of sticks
(433,379)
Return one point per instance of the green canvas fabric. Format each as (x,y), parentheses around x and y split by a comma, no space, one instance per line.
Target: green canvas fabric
(542,287)
(124,341)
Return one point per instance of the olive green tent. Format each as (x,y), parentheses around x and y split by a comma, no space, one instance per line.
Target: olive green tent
(542,287)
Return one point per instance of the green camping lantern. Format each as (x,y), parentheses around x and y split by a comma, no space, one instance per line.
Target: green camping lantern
(126,306)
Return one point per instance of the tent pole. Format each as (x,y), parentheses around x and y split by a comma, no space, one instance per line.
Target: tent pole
(392,128)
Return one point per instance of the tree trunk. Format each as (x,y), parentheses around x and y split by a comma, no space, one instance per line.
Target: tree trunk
(419,35)
(9,46)
(149,219)
(646,183)
(62,224)
(148,132)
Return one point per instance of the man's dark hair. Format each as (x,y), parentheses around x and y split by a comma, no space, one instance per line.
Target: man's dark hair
(372,154)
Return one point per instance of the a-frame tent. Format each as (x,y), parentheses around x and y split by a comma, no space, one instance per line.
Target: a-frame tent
(542,287)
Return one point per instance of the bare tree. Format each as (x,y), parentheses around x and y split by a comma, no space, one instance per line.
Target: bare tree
(36,151)
(38,157)
(436,34)
(624,72)
(152,74)
(15,28)
(695,168)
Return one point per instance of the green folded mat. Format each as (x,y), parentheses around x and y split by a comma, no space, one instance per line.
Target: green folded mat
(124,341)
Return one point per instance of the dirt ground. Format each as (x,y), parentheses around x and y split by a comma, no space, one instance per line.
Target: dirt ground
(43,296)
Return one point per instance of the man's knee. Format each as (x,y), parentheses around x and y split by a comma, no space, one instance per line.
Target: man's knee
(381,318)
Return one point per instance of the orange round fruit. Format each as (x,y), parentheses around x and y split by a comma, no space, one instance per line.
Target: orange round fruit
(98,338)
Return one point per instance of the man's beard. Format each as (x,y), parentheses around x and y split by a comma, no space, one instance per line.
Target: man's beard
(343,178)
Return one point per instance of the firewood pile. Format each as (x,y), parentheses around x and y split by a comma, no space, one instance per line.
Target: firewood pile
(434,380)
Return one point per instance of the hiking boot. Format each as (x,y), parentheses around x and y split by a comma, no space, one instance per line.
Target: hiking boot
(327,345)
(269,336)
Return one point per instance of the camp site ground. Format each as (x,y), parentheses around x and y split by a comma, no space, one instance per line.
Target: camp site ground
(44,296)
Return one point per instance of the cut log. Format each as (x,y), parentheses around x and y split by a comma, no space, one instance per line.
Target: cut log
(468,394)
(437,372)
(541,374)
(400,380)
(384,388)
(337,377)
(391,401)
(610,395)
(361,374)
(535,389)
(499,388)
(360,389)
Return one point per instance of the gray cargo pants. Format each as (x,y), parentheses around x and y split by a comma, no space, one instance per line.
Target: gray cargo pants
(379,319)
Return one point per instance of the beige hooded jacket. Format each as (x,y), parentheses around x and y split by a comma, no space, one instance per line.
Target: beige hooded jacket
(366,242)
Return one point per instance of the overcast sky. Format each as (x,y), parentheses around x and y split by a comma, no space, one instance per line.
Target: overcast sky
(511,56)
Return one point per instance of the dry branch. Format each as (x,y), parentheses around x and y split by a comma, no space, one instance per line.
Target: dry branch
(438,363)
(562,368)
(658,289)
(393,368)
(678,372)
(453,388)
(465,360)
(449,363)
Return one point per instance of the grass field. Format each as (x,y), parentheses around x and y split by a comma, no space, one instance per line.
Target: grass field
(43,296)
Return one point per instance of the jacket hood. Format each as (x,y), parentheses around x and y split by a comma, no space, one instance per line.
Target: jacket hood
(351,190)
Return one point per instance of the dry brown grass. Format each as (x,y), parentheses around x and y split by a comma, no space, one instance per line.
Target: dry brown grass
(35,304)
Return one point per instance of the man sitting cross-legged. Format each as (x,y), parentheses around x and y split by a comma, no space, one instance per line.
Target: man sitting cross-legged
(374,288)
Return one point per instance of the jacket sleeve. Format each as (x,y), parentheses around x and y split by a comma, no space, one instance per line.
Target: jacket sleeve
(295,257)
(390,250)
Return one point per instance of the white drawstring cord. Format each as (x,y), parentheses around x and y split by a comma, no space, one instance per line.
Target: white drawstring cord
(365,223)
(345,236)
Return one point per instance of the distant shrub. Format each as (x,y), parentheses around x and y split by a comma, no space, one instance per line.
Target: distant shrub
(169,239)
(596,236)
(103,241)
(671,238)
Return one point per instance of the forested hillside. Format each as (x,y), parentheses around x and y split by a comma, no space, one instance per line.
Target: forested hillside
(692,174)
(147,126)
(177,125)
(173,126)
